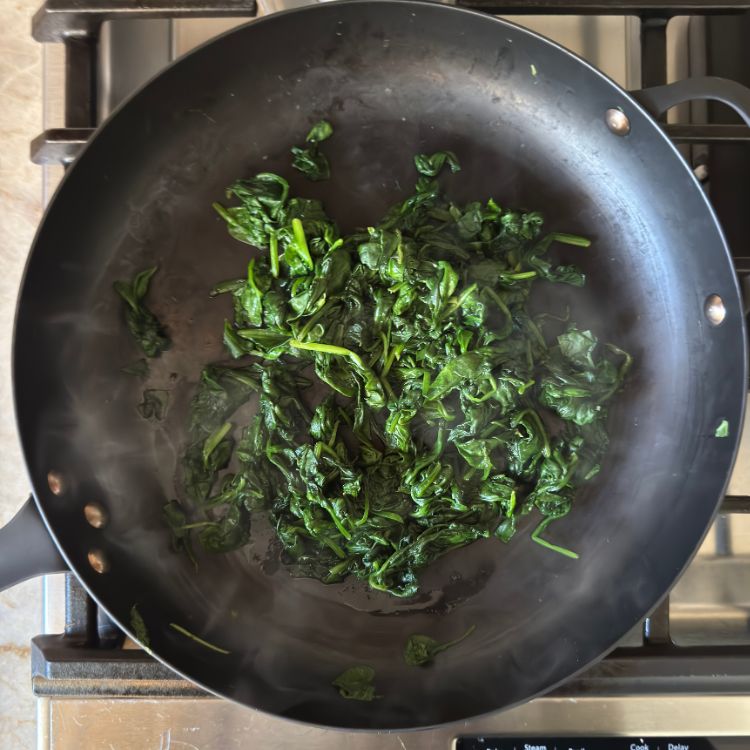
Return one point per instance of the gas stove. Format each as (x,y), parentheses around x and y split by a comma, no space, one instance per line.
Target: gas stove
(678,681)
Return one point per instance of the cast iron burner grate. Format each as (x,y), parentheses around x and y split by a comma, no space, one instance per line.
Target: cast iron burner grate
(88,659)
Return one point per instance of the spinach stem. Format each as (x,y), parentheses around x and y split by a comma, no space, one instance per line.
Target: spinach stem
(390,516)
(537,333)
(549,545)
(365,512)
(394,354)
(335,547)
(324,448)
(251,276)
(197,639)
(312,320)
(342,529)
(569,239)
(339,351)
(387,386)
(301,241)
(624,367)
(459,301)
(384,339)
(213,440)
(224,214)
(273,246)
(455,641)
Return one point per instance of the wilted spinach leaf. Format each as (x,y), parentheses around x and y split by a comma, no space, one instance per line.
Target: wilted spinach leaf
(421,649)
(431,165)
(138,626)
(356,683)
(310,160)
(142,323)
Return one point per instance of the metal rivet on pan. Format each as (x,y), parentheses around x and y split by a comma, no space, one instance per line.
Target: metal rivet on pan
(55,483)
(95,515)
(715,310)
(617,121)
(98,561)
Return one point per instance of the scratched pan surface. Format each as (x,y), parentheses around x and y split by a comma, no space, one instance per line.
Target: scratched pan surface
(395,79)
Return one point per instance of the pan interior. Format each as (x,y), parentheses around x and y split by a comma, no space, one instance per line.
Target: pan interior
(527,122)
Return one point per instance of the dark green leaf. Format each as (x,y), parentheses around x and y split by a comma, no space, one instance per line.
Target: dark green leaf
(320,132)
(310,160)
(357,683)
(421,649)
(142,323)
(138,626)
(431,165)
(230,532)
(472,365)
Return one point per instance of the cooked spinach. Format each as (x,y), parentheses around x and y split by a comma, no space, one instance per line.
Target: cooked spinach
(142,323)
(138,626)
(154,404)
(421,649)
(356,683)
(310,160)
(444,410)
(176,519)
(197,639)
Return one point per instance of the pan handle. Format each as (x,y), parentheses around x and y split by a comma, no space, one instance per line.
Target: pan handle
(658,99)
(26,548)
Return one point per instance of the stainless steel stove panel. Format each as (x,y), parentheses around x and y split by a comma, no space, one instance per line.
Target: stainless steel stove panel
(210,724)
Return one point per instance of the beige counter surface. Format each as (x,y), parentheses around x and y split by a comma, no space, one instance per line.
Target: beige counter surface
(20,208)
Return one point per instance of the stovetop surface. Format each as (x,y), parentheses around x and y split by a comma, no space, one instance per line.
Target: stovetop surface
(692,676)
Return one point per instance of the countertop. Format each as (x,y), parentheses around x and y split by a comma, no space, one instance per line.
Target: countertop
(20,210)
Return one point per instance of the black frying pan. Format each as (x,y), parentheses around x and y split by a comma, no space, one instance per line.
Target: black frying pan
(528,121)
